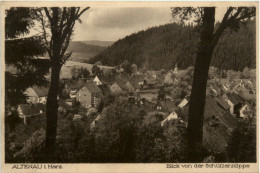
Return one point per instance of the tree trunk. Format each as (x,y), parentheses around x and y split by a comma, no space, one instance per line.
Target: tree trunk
(52,112)
(198,93)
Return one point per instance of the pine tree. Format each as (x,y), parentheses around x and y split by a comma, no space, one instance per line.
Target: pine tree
(23,67)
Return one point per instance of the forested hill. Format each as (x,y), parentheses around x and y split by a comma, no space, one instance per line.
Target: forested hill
(163,46)
(82,51)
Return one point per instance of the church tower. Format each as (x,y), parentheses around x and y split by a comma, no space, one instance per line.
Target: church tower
(175,69)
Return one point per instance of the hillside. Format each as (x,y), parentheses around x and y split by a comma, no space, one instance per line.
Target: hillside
(99,43)
(84,50)
(163,46)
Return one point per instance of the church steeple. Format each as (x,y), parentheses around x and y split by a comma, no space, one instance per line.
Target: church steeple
(175,69)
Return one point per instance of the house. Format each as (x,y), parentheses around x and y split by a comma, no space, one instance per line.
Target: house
(129,87)
(218,124)
(116,88)
(212,110)
(165,106)
(69,101)
(247,97)
(252,84)
(235,102)
(89,95)
(247,83)
(123,84)
(138,78)
(215,90)
(105,89)
(135,84)
(28,110)
(37,94)
(225,87)
(172,115)
(222,103)
(184,102)
(104,80)
(246,111)
(72,86)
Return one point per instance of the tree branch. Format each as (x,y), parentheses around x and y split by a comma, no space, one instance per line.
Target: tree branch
(85,9)
(222,27)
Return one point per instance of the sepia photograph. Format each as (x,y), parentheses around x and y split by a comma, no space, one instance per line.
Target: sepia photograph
(129,84)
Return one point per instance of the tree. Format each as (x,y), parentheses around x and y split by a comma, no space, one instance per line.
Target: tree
(150,145)
(61,22)
(242,145)
(96,70)
(115,133)
(78,73)
(127,67)
(209,37)
(161,94)
(246,72)
(24,69)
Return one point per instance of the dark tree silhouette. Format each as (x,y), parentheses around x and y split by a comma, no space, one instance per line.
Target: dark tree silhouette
(96,70)
(23,68)
(209,37)
(61,22)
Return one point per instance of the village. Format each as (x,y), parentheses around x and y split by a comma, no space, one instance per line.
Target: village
(228,101)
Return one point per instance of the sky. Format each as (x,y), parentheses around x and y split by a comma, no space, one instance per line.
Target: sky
(111,24)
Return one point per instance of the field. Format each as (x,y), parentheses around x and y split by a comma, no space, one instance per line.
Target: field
(66,69)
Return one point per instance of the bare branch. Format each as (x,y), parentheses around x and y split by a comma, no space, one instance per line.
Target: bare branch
(222,27)
(85,9)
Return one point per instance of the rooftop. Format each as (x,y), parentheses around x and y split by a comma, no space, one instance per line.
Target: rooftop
(92,87)
(41,91)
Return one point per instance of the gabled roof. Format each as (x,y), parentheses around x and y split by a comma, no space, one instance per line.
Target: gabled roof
(123,78)
(228,120)
(75,84)
(104,88)
(211,108)
(107,79)
(34,109)
(137,77)
(216,88)
(234,98)
(253,81)
(168,105)
(220,100)
(134,84)
(41,91)
(120,83)
(246,95)
(92,87)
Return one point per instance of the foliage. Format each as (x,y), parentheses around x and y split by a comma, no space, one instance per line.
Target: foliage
(149,146)
(242,145)
(126,66)
(175,43)
(96,70)
(176,139)
(33,148)
(161,94)
(179,91)
(78,73)
(23,67)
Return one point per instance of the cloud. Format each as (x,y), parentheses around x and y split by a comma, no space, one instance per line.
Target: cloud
(115,23)
(128,17)
(111,24)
